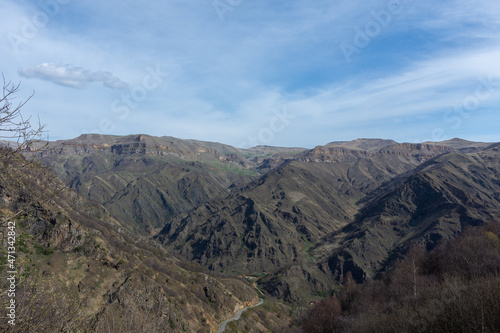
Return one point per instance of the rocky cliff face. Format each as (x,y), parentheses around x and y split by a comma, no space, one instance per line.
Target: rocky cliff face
(143,145)
(333,154)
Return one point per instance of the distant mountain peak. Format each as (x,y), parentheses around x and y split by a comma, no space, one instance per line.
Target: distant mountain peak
(457,140)
(461,145)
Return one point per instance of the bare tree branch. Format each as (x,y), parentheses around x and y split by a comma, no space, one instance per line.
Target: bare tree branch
(20,133)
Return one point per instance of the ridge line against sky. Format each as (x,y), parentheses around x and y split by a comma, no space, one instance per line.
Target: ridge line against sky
(286,73)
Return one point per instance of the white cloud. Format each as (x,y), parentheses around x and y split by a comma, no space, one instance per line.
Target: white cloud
(70,76)
(232,76)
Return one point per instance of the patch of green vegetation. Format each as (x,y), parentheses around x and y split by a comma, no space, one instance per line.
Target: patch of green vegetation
(258,274)
(231,327)
(306,249)
(26,273)
(308,246)
(22,245)
(322,294)
(247,154)
(231,168)
(43,250)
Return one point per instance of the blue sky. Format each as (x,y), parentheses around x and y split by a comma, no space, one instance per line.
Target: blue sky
(241,72)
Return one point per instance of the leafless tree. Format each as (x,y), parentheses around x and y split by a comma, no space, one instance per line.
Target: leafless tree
(18,131)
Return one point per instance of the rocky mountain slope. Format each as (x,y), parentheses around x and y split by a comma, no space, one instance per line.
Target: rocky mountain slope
(436,201)
(79,270)
(145,181)
(303,217)
(272,224)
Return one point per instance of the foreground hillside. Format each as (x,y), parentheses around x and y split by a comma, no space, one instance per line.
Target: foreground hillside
(79,270)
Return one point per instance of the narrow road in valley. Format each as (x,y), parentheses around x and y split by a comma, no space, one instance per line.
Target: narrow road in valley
(222,326)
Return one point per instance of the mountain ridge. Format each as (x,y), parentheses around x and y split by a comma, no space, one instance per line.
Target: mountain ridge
(263,209)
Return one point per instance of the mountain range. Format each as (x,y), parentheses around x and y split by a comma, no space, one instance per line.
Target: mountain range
(299,218)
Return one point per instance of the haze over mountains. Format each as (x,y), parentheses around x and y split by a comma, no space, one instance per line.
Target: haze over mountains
(302,216)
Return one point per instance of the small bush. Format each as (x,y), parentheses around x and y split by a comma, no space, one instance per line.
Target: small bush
(43,250)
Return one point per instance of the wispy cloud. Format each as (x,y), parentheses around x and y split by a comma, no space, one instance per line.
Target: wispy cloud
(70,76)
(228,78)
